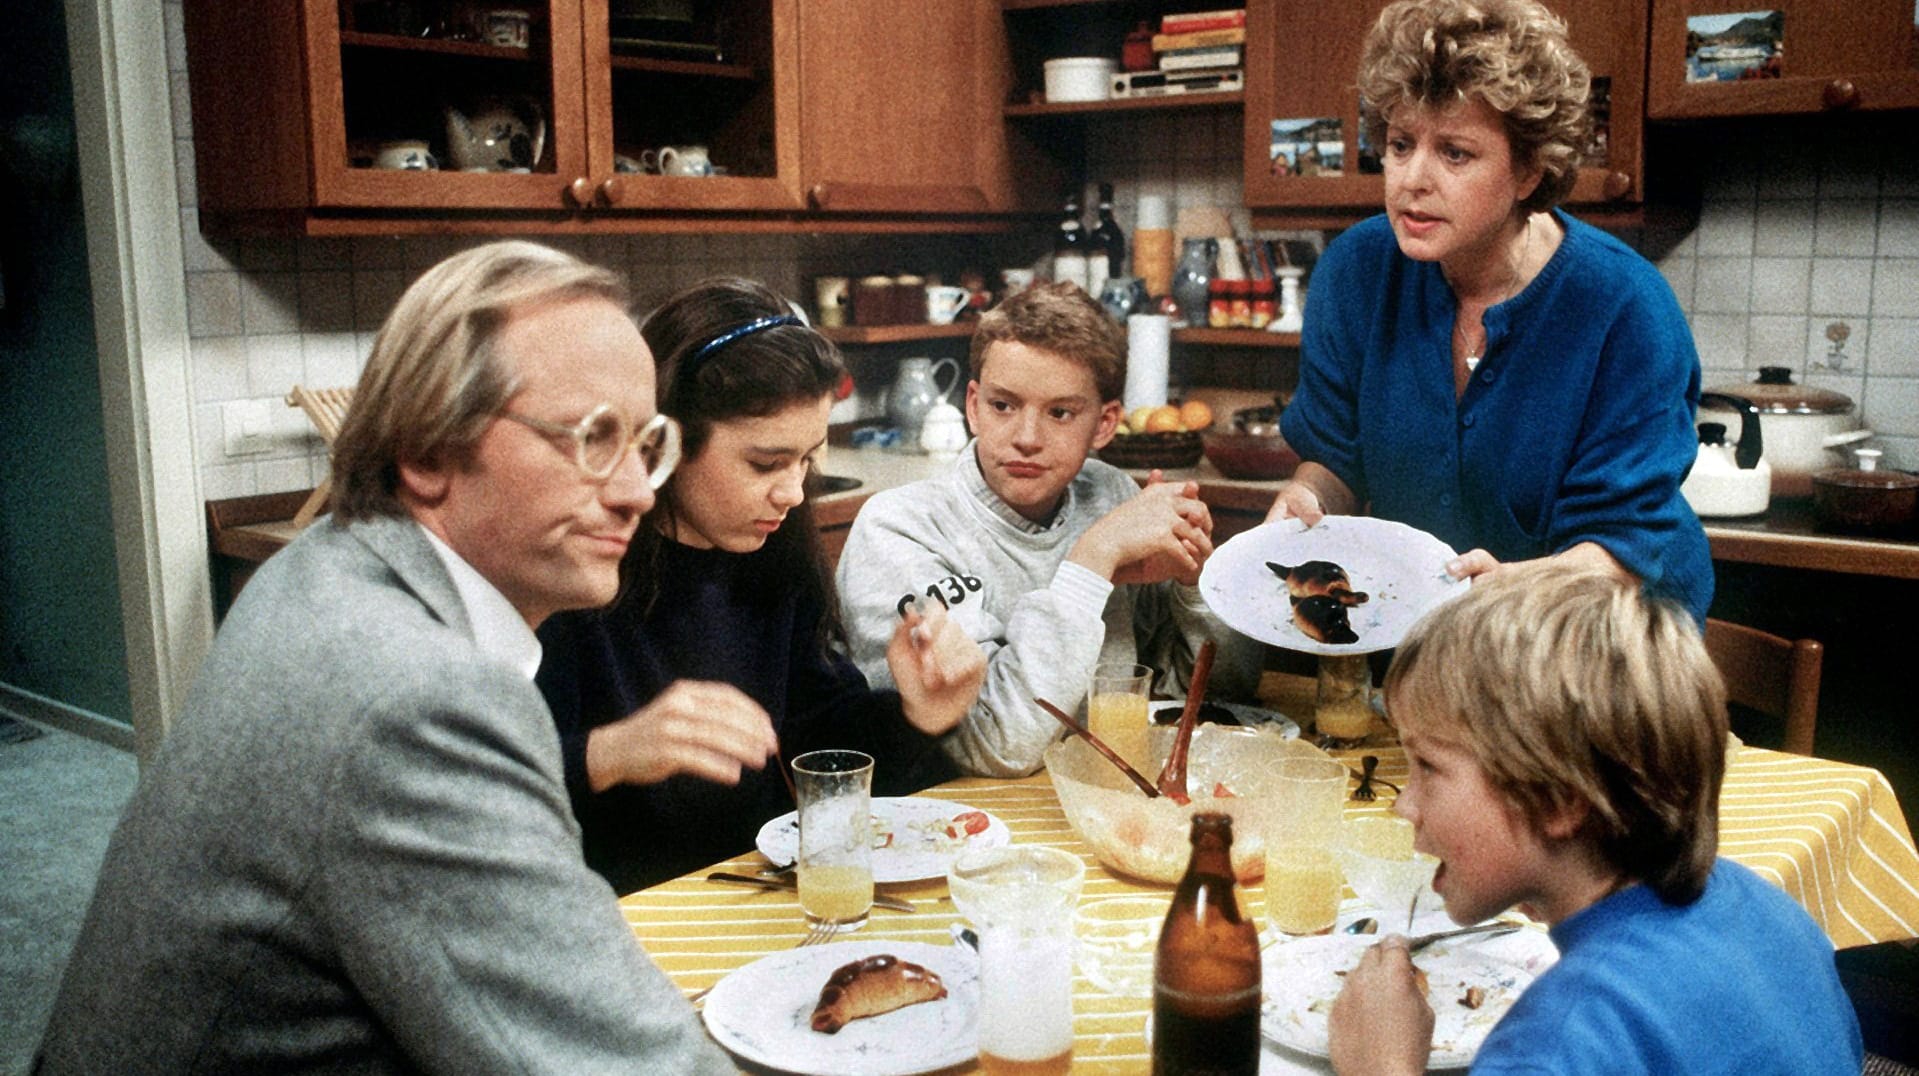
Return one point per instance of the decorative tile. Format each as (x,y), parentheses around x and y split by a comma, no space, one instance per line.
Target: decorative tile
(1783,228)
(1841,286)
(1836,345)
(1844,229)
(1895,348)
(1781,285)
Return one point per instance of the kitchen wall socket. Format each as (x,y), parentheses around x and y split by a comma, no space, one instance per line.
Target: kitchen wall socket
(246,426)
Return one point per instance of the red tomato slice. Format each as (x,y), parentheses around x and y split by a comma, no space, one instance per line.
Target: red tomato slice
(970,822)
(1220,791)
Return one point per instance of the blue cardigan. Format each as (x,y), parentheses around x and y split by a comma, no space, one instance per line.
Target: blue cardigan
(1577,425)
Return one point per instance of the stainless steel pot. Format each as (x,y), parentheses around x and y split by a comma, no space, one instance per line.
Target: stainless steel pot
(1802,426)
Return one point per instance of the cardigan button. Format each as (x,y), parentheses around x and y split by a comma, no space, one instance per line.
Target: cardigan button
(1488,376)
(1446,500)
(1466,420)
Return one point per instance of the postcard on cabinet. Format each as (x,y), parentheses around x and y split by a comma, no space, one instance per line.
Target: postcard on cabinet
(1736,46)
(1308,147)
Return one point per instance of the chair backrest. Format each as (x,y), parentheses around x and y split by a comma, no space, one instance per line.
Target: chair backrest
(1776,676)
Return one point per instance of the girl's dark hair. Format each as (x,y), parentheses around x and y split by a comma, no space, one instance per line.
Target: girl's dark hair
(753,375)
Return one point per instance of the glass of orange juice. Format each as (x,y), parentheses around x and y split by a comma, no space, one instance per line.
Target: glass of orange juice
(1303,885)
(836,846)
(1117,710)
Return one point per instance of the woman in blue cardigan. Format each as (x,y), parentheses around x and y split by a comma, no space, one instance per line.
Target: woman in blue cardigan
(1476,363)
(720,656)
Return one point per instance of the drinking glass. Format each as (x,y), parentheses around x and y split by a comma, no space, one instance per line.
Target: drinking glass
(1021,899)
(1303,879)
(1118,710)
(835,790)
(1343,707)
(1376,854)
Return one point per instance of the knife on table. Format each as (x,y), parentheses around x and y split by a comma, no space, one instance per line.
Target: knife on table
(1415,944)
(881,899)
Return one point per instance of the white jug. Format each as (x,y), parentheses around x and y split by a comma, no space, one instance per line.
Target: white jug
(915,391)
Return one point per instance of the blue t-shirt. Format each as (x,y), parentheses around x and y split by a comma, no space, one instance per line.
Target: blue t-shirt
(1577,426)
(1739,981)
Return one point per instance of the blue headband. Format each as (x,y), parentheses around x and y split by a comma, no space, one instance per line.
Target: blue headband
(731,335)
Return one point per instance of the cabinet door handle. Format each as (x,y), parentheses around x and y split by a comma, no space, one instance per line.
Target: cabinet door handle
(612,190)
(1840,93)
(817,195)
(1618,185)
(581,192)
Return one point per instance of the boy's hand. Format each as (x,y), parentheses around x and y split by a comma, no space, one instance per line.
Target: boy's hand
(937,667)
(1164,533)
(1381,1023)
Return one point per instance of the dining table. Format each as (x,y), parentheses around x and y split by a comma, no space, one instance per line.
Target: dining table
(1831,834)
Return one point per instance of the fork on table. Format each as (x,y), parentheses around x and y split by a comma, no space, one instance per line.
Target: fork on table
(1364,793)
(816,934)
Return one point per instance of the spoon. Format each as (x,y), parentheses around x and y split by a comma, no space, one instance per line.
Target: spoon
(1172,779)
(1365,924)
(1111,756)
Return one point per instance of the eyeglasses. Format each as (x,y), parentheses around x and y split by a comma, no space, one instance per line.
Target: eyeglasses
(600,441)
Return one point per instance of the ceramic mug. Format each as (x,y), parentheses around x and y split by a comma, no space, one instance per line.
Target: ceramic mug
(677,161)
(830,293)
(944,303)
(409,155)
(507,27)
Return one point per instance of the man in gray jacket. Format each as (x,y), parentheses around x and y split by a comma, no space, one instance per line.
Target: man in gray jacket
(354,851)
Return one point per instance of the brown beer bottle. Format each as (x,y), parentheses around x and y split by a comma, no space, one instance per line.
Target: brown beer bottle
(1206,975)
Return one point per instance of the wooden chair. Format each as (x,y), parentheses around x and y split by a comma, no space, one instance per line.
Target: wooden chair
(1775,676)
(326,408)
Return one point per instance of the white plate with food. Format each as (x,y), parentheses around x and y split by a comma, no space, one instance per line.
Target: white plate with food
(1470,984)
(1360,583)
(764,1012)
(913,837)
(1167,713)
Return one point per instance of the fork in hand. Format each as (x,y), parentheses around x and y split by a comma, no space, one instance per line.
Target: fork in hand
(1364,793)
(816,934)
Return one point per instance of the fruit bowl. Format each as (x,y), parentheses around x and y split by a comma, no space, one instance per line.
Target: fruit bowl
(1167,451)
(1232,770)
(1252,456)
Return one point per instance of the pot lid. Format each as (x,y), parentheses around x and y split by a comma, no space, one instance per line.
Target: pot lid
(1775,393)
(1867,475)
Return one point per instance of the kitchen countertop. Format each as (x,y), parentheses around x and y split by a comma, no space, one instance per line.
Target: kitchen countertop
(252,528)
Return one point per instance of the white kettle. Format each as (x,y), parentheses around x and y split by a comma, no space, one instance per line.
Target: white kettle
(943,430)
(1729,480)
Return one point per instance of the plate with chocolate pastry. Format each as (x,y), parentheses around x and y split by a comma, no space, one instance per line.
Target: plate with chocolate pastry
(857,1008)
(1350,585)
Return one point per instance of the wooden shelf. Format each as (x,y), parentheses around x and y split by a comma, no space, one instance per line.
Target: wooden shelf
(896,334)
(1235,338)
(1228,99)
(1034,5)
(396,43)
(689,68)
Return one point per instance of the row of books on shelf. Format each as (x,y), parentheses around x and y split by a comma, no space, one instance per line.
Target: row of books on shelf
(1200,40)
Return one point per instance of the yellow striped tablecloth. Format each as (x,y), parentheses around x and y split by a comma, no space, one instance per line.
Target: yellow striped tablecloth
(1830,833)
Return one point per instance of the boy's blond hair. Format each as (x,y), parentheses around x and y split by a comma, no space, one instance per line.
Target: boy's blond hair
(1059,318)
(1571,687)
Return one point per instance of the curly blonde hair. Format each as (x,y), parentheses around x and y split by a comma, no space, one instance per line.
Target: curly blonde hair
(1512,54)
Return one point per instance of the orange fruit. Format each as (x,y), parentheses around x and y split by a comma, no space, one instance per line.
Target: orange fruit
(1195,415)
(1163,420)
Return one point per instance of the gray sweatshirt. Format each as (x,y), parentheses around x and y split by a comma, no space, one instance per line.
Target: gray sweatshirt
(1043,622)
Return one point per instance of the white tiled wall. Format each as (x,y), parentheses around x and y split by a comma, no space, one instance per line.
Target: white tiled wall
(1792,238)
(1799,235)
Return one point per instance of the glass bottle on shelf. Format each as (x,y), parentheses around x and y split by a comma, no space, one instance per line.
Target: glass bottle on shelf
(1191,278)
(1070,245)
(1106,249)
(1206,974)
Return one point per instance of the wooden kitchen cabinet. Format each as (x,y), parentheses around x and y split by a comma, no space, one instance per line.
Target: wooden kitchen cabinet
(1301,63)
(900,109)
(1862,55)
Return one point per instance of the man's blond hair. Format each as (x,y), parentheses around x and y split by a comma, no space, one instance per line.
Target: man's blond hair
(1572,687)
(436,378)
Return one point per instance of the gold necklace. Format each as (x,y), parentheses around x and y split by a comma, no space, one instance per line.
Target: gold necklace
(1516,269)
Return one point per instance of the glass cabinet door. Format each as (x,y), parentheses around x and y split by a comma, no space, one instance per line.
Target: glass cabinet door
(1782,57)
(444,104)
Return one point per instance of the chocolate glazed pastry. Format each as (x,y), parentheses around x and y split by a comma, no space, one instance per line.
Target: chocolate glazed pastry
(1323,617)
(1316,578)
(878,984)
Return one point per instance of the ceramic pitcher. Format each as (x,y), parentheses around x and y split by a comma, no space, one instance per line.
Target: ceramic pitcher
(915,391)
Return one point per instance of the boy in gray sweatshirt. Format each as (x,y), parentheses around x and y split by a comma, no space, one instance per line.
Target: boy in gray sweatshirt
(1051,561)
